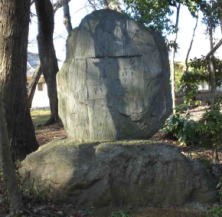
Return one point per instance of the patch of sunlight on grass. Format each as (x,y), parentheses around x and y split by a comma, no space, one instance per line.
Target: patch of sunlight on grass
(40,117)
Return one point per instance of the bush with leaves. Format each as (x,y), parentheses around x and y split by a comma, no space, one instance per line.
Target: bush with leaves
(207,131)
(179,126)
(121,213)
(189,84)
(211,129)
(211,126)
(199,73)
(215,211)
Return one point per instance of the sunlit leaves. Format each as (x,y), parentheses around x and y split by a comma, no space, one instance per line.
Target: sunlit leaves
(156,13)
(152,13)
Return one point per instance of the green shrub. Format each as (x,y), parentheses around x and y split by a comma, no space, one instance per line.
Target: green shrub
(215,211)
(121,213)
(211,126)
(206,131)
(182,128)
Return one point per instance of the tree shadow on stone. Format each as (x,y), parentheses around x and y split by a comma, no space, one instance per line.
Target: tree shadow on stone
(114,69)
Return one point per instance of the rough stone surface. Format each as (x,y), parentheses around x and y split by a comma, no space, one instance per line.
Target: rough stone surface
(114,83)
(124,173)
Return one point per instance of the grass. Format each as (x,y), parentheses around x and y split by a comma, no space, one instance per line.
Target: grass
(40,117)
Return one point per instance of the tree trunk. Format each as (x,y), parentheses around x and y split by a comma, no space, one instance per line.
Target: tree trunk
(47,53)
(32,86)
(220,8)
(215,156)
(59,3)
(9,174)
(14,21)
(221,21)
(214,49)
(173,60)
(191,44)
(67,18)
(211,69)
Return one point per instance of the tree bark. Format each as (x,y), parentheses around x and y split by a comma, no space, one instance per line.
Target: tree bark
(32,86)
(59,3)
(173,60)
(9,174)
(211,69)
(220,17)
(67,17)
(47,53)
(191,44)
(214,49)
(14,22)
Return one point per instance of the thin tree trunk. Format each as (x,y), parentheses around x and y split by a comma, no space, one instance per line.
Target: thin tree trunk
(215,155)
(214,49)
(9,174)
(211,69)
(221,21)
(59,4)
(14,21)
(191,44)
(67,18)
(47,53)
(32,86)
(173,60)
(220,8)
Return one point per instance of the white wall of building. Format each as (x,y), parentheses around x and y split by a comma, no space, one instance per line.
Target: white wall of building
(40,99)
(205,87)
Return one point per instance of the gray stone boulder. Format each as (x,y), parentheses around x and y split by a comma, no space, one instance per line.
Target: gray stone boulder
(123,173)
(114,83)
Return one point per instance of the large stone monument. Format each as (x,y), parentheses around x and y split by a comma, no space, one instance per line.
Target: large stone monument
(126,173)
(114,83)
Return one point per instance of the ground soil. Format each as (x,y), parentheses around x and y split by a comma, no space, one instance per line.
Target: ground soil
(45,134)
(49,133)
